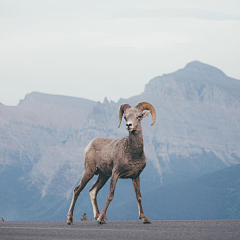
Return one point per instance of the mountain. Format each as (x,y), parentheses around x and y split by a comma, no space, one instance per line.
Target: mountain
(212,196)
(43,138)
(198,120)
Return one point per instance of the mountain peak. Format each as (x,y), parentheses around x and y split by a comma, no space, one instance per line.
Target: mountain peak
(105,101)
(192,80)
(202,68)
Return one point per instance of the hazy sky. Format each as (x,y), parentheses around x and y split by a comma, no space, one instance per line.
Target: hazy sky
(93,49)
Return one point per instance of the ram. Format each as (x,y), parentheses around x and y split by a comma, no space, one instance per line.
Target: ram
(121,158)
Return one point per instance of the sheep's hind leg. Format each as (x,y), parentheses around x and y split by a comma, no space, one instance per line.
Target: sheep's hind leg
(87,175)
(102,179)
(136,185)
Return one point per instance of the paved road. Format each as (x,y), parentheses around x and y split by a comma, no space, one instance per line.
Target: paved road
(226,229)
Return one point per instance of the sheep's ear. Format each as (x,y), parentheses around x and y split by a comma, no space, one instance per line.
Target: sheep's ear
(145,114)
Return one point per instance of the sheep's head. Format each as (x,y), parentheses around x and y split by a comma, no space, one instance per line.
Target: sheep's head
(133,116)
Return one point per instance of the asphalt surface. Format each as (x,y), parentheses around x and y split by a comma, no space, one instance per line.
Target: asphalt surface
(223,229)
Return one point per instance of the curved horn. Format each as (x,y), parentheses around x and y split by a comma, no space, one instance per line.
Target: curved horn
(147,106)
(121,111)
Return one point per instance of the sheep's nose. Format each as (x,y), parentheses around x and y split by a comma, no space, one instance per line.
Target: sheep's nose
(129,124)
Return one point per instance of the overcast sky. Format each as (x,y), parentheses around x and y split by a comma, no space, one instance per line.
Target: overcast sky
(93,49)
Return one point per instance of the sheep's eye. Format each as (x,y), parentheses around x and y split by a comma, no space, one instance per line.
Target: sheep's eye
(125,118)
(138,117)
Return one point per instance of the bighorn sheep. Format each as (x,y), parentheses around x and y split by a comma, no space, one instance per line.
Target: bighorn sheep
(121,158)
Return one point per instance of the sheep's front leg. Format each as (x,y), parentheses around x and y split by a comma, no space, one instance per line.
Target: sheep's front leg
(136,185)
(101,218)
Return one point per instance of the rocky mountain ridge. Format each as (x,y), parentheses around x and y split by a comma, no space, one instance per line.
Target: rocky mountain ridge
(197,131)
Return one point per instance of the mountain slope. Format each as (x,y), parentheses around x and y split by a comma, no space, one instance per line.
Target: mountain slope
(198,116)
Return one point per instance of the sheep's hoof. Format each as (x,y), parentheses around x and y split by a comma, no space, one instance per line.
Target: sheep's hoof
(101,222)
(69,220)
(146,221)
